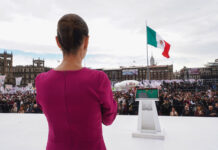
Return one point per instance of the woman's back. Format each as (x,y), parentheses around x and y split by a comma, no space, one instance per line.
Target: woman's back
(75,103)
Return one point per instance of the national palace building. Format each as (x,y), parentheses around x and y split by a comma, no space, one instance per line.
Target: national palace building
(161,72)
(29,72)
(156,72)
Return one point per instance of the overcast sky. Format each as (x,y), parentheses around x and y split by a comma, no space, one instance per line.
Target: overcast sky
(117,30)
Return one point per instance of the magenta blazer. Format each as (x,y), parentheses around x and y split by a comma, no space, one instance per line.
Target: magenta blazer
(75,103)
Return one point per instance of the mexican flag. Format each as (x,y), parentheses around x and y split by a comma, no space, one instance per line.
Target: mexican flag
(156,40)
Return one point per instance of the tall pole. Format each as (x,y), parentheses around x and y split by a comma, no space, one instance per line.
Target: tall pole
(147,51)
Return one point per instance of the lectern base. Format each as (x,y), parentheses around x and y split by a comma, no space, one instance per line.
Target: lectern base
(150,135)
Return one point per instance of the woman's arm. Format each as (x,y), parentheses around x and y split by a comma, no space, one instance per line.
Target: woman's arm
(108,104)
(37,91)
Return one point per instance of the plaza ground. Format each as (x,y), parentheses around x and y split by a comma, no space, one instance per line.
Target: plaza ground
(29,132)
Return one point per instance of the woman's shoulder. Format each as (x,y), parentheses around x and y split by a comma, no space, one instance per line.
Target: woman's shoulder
(100,73)
(98,76)
(39,76)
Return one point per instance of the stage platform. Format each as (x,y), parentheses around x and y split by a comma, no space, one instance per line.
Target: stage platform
(29,132)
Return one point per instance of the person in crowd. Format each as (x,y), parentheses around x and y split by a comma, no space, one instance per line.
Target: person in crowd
(14,108)
(18,102)
(21,109)
(173,112)
(216,108)
(211,112)
(36,109)
(28,108)
(187,110)
(199,111)
(165,107)
(5,106)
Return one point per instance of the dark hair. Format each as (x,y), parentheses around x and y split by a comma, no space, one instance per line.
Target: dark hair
(70,32)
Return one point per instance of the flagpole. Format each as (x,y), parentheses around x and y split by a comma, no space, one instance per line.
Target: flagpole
(147,51)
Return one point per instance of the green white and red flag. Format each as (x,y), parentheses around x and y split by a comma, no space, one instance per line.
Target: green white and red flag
(156,40)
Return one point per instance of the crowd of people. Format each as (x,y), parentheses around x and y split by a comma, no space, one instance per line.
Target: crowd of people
(188,99)
(175,99)
(19,102)
(126,103)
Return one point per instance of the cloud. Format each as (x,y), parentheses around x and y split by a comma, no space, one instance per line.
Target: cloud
(117,29)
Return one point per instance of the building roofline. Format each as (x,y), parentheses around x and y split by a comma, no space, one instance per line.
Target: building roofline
(134,67)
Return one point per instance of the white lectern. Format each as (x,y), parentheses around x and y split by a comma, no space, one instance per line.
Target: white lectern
(148,122)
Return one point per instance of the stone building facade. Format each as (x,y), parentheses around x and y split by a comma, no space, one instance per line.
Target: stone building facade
(156,72)
(210,71)
(27,72)
(6,66)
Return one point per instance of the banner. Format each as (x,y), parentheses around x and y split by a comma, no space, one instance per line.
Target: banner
(2,89)
(8,87)
(30,85)
(130,72)
(18,80)
(194,71)
(2,80)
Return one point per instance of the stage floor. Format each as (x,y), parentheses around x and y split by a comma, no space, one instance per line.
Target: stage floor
(29,132)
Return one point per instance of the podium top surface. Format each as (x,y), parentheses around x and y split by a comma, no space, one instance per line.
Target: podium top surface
(147,99)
